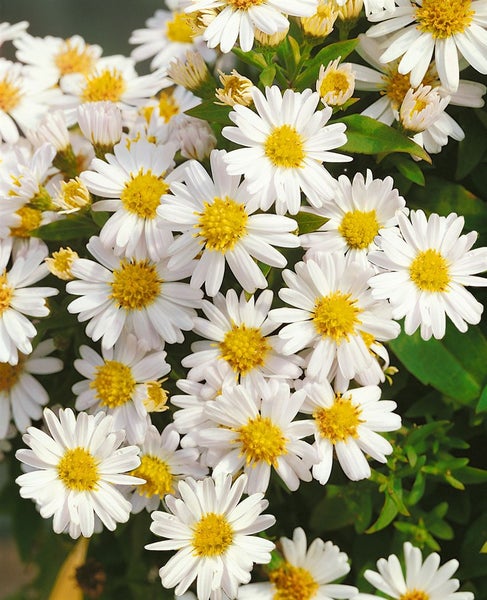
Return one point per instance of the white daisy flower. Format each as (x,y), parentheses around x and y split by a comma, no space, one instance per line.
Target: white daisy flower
(76,469)
(346,425)
(117,383)
(162,465)
(358,210)
(288,140)
(18,298)
(420,109)
(170,106)
(426,271)
(450,29)
(195,138)
(213,533)
(421,581)
(304,573)
(10,32)
(255,431)
(217,222)
(139,296)
(101,123)
(334,313)
(21,395)
(336,83)
(239,18)
(133,180)
(238,333)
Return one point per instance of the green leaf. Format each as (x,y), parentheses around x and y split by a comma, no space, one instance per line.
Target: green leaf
(368,136)
(471,475)
(308,78)
(309,222)
(482,403)
(387,514)
(266,77)
(73,227)
(211,112)
(472,148)
(409,169)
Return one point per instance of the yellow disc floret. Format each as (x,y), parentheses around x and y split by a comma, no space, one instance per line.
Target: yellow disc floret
(414,595)
(336,316)
(284,147)
(107,85)
(10,95)
(135,285)
(168,107)
(30,219)
(429,271)
(71,59)
(142,194)
(244,348)
(113,383)
(292,583)
(222,224)
(59,264)
(261,440)
(9,374)
(179,29)
(339,421)
(212,535)
(244,4)
(6,293)
(444,18)
(78,470)
(157,474)
(359,228)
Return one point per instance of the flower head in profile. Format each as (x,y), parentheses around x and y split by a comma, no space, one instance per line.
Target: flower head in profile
(213,533)
(75,470)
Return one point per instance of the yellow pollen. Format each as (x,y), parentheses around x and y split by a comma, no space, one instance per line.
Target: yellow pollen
(336,316)
(9,374)
(293,583)
(113,383)
(334,81)
(156,399)
(429,271)
(368,338)
(397,86)
(78,470)
(30,220)
(414,595)
(179,29)
(212,535)
(108,85)
(60,263)
(168,107)
(444,18)
(71,59)
(244,4)
(338,422)
(284,147)
(222,224)
(359,228)
(142,194)
(10,95)
(6,293)
(157,474)
(135,285)
(74,193)
(244,348)
(261,441)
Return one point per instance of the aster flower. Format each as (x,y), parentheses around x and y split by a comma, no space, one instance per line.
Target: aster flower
(287,141)
(346,424)
(137,296)
(336,83)
(21,395)
(117,383)
(422,580)
(212,530)
(101,123)
(217,222)
(426,271)
(448,28)
(303,572)
(195,138)
(75,471)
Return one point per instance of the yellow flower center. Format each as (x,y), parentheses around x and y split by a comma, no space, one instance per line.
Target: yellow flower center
(429,271)
(293,583)
(244,348)
(212,535)
(261,441)
(71,59)
(222,224)
(157,475)
(10,95)
(74,193)
(284,147)
(108,85)
(78,470)
(338,422)
(59,264)
(142,194)
(114,384)
(30,220)
(397,86)
(359,228)
(179,29)
(414,595)
(168,107)
(444,18)
(135,285)
(156,399)
(336,316)
(243,4)
(9,374)
(334,81)
(6,293)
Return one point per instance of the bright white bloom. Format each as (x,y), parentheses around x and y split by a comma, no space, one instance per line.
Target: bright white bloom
(118,383)
(239,18)
(162,465)
(18,298)
(421,581)
(238,334)
(336,83)
(305,573)
(11,32)
(288,140)
(358,210)
(75,471)
(133,180)
(426,271)
(376,6)
(21,395)
(101,123)
(346,424)
(217,222)
(335,315)
(420,108)
(255,431)
(138,296)
(448,28)
(52,130)
(213,533)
